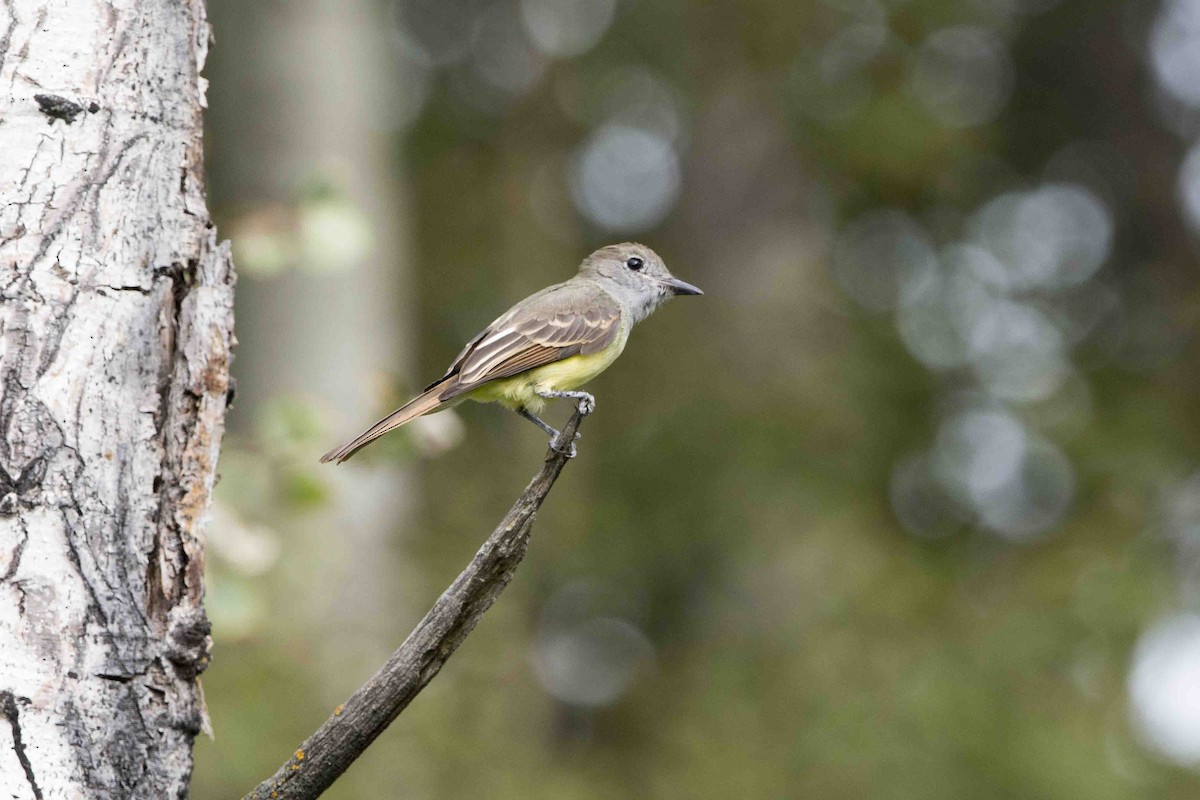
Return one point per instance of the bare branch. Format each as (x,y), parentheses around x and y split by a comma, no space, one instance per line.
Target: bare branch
(329,752)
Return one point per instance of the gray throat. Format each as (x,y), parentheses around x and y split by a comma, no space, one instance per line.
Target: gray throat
(643,304)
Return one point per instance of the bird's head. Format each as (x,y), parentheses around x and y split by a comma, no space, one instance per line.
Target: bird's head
(637,273)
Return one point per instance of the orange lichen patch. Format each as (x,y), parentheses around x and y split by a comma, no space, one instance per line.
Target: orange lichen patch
(337,712)
(299,755)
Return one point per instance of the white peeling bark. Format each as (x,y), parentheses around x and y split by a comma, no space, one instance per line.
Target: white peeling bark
(115,341)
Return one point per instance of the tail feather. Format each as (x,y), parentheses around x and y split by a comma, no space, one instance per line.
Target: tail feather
(421,404)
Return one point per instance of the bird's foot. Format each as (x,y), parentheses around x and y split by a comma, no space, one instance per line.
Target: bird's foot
(585,403)
(570,452)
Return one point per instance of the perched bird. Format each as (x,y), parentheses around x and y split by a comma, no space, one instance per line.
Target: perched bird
(547,345)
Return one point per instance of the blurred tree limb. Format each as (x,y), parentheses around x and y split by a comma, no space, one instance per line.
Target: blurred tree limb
(355,724)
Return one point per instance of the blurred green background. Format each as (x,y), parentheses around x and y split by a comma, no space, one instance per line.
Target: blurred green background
(907,506)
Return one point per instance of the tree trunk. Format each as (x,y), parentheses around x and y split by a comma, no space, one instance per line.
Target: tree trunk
(115,343)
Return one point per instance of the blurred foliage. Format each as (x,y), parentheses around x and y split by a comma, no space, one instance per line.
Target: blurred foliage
(873,518)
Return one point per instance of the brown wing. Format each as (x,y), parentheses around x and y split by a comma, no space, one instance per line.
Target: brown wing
(573,318)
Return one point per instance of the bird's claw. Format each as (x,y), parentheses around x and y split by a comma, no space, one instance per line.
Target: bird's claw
(584,403)
(571,450)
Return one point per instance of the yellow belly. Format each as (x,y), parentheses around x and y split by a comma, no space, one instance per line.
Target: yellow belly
(520,391)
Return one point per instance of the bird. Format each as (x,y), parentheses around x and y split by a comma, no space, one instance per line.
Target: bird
(547,345)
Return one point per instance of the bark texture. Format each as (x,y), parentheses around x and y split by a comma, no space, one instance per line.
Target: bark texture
(115,341)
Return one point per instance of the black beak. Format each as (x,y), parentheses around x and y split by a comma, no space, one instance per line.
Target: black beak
(680,287)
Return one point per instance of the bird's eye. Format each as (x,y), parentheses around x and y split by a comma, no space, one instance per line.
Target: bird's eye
(634,263)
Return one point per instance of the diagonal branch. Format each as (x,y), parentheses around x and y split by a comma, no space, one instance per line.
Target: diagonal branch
(329,752)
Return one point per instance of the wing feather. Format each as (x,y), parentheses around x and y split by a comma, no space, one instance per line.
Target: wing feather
(563,321)
(526,359)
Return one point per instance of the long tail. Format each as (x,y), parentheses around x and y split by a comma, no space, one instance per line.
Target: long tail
(421,404)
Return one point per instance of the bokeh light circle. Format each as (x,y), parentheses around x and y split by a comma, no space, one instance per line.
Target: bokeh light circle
(567,28)
(1164,688)
(1018,485)
(1189,188)
(590,664)
(1055,236)
(963,75)
(884,257)
(625,179)
(1175,50)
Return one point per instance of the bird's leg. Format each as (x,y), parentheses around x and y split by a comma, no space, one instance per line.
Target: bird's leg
(584,402)
(536,420)
(554,434)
